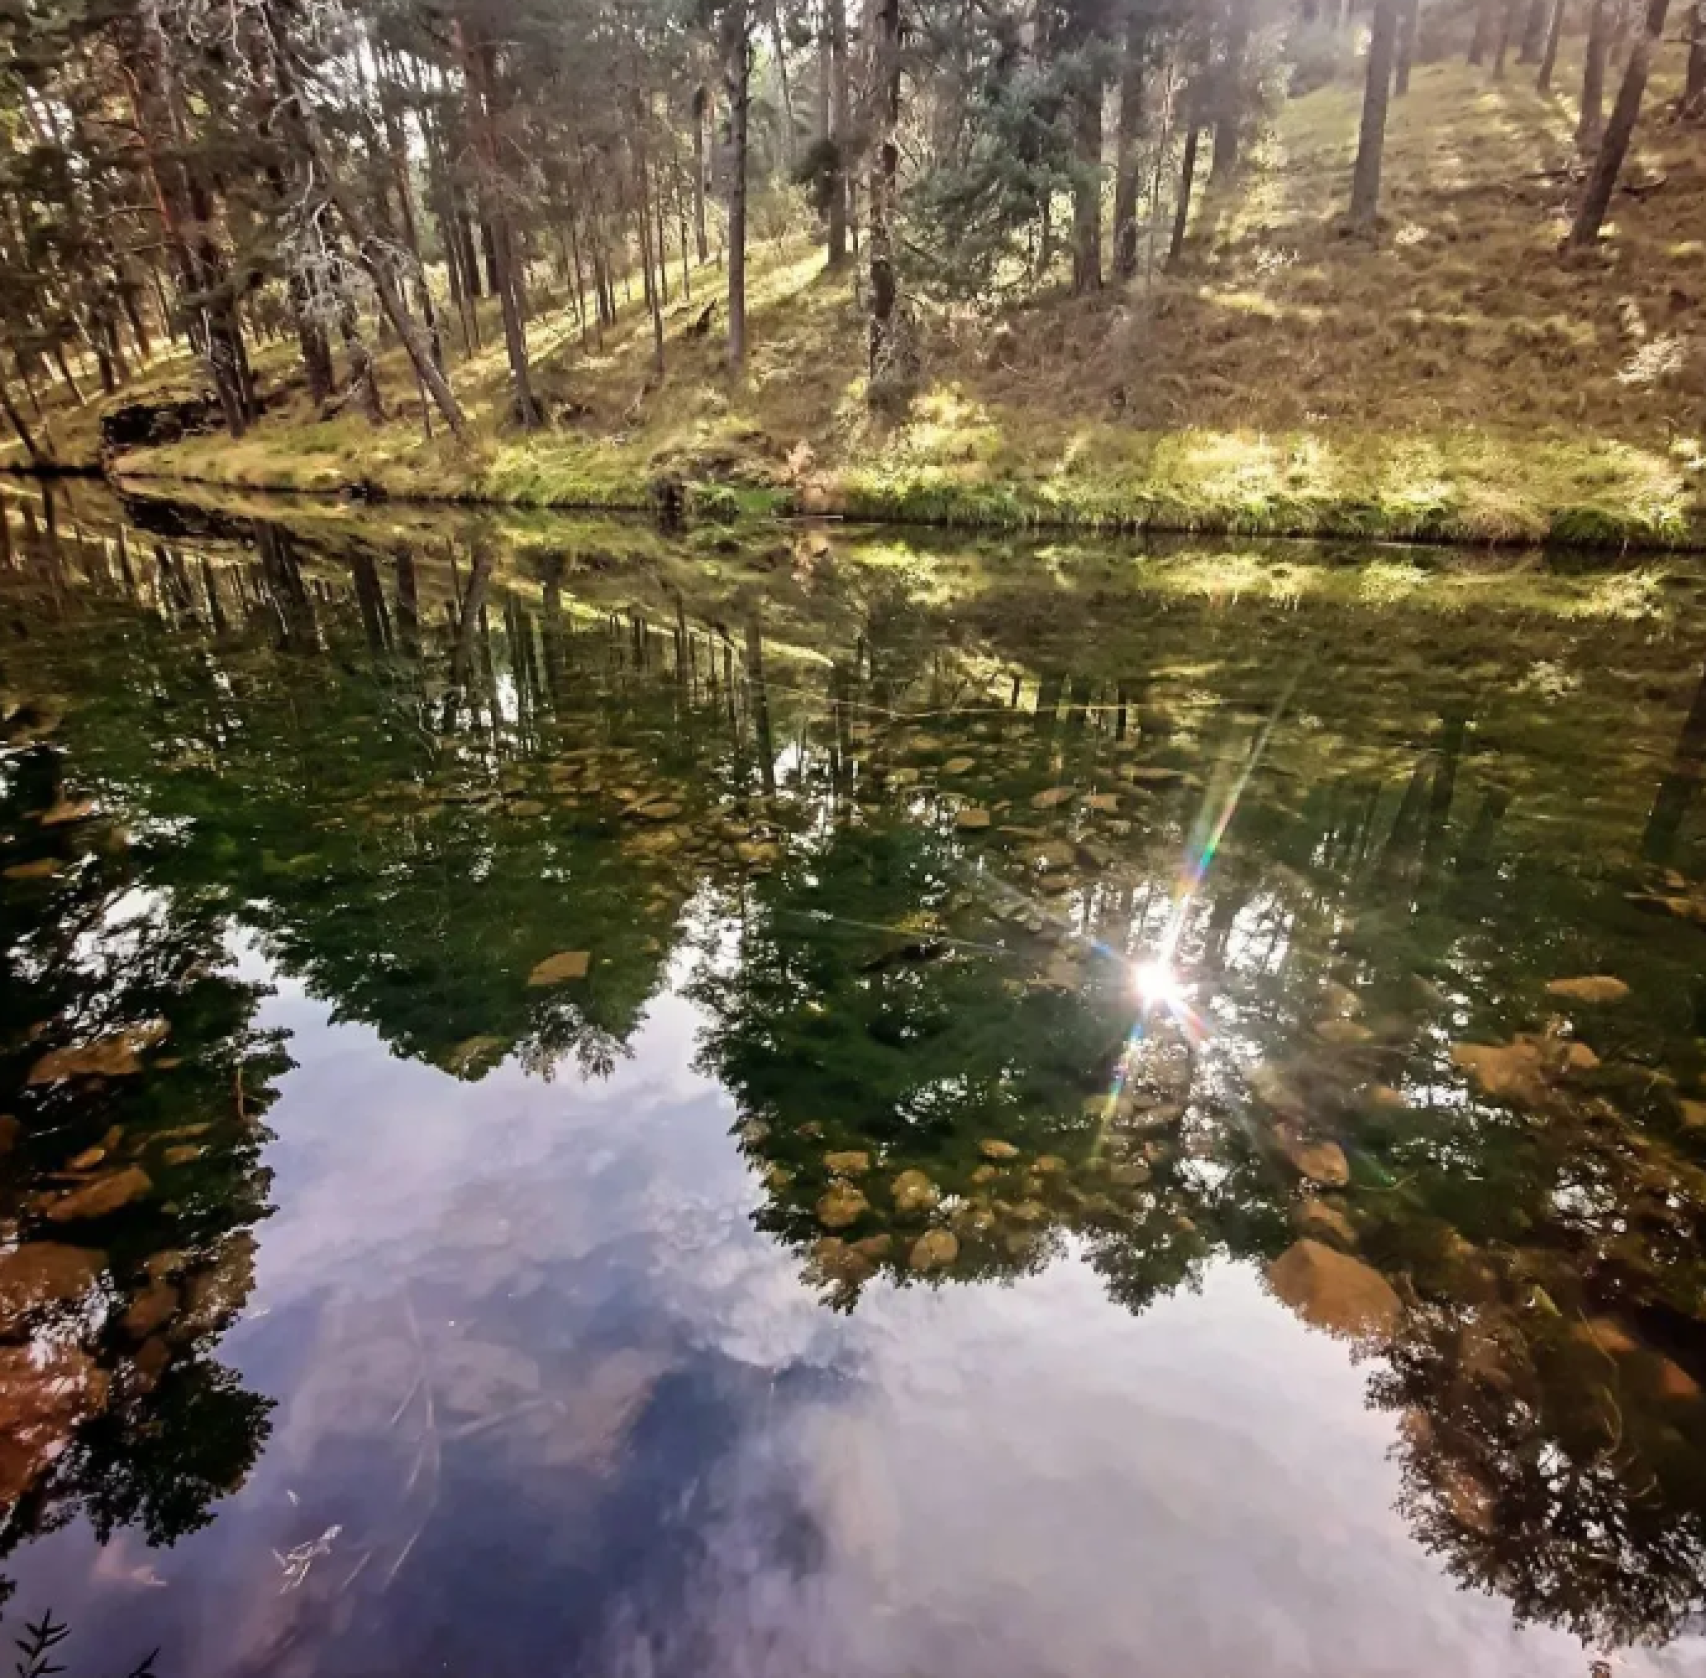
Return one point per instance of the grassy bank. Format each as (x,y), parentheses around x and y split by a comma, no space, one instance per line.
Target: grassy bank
(1457,380)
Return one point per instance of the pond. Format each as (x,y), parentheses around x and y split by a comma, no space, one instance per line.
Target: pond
(581,1100)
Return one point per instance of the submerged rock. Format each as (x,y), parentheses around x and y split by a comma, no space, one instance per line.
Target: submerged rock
(46,1393)
(848,1162)
(67,810)
(972,819)
(913,1191)
(560,968)
(1343,1032)
(102,1197)
(117,1055)
(841,1206)
(1595,988)
(959,765)
(43,1273)
(1324,1221)
(152,1309)
(1053,798)
(935,1249)
(1320,1161)
(43,868)
(993,1148)
(1333,1291)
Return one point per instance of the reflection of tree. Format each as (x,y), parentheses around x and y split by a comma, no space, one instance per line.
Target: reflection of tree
(93,953)
(449,791)
(1681,784)
(1534,1468)
(871,1010)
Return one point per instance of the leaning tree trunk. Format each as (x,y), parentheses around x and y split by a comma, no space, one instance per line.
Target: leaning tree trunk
(1549,56)
(16,420)
(885,165)
(1608,160)
(1128,183)
(305,129)
(1371,139)
(1187,179)
(737,72)
(1592,119)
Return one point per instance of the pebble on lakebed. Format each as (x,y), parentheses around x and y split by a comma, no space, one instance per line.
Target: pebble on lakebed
(1333,1291)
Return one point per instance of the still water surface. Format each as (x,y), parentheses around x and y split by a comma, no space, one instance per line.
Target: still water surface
(593,1103)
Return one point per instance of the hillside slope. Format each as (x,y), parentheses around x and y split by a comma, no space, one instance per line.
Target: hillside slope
(1459,378)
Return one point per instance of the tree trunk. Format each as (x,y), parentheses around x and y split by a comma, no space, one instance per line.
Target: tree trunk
(1087,191)
(1371,139)
(1486,11)
(368,248)
(699,243)
(185,209)
(1549,55)
(311,340)
(1409,15)
(1533,32)
(840,137)
(651,260)
(1187,179)
(885,165)
(1608,161)
(1507,28)
(737,72)
(1128,165)
(16,420)
(1592,118)
(788,136)
(479,76)
(1229,96)
(1693,103)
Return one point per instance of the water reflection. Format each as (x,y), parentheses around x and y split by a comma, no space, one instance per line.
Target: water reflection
(1046,982)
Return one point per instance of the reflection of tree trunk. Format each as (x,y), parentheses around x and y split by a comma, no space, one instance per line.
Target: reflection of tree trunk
(556,664)
(408,604)
(1681,784)
(293,610)
(1049,689)
(468,612)
(1478,847)
(1452,734)
(371,598)
(759,698)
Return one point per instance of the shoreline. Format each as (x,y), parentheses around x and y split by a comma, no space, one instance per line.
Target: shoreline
(544,478)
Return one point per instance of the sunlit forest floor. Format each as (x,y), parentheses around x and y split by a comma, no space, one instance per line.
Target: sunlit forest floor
(1458,379)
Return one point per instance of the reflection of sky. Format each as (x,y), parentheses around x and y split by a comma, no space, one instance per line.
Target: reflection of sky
(970,1481)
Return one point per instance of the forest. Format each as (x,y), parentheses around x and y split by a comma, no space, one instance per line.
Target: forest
(1188,263)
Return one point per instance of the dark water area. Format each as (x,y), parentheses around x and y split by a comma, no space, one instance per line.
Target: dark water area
(580,1101)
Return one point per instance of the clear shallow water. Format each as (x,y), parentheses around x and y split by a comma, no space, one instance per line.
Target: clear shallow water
(516,1327)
